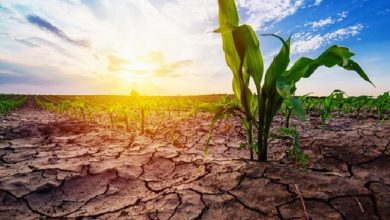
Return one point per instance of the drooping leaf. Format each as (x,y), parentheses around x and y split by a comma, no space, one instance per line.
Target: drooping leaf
(352,65)
(334,55)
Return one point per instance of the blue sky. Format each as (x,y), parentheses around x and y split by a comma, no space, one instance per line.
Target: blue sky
(166,47)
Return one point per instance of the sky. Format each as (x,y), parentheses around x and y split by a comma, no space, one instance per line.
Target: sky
(167,47)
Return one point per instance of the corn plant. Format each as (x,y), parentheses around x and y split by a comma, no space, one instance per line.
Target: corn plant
(111,110)
(329,104)
(79,104)
(9,103)
(358,103)
(288,109)
(295,150)
(64,106)
(382,104)
(243,56)
(339,101)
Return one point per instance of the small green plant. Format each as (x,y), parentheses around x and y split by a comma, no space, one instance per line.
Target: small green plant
(382,104)
(295,150)
(358,103)
(243,56)
(9,103)
(79,104)
(328,105)
(288,109)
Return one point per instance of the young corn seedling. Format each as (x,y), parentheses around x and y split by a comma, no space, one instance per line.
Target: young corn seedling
(79,104)
(258,108)
(111,110)
(329,104)
(382,104)
(289,109)
(339,101)
(358,103)
(9,104)
(295,150)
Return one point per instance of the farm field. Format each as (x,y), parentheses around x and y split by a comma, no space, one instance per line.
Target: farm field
(59,166)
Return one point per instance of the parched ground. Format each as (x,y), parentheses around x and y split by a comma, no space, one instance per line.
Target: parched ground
(55,167)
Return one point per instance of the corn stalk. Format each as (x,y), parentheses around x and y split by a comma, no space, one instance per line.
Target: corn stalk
(243,56)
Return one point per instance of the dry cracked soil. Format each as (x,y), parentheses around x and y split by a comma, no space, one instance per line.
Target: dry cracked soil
(56,167)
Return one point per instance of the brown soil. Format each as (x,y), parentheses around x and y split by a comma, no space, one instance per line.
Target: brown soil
(56,167)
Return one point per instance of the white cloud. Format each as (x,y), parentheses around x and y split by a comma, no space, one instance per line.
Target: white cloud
(261,12)
(327,21)
(342,15)
(317,2)
(305,43)
(321,23)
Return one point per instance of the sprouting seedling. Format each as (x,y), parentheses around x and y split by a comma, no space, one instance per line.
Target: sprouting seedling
(339,101)
(295,150)
(9,103)
(328,105)
(382,104)
(79,104)
(358,103)
(243,56)
(289,109)
(111,109)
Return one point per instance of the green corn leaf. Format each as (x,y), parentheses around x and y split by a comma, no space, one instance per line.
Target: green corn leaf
(254,105)
(246,93)
(334,55)
(278,66)
(352,65)
(295,150)
(228,13)
(228,18)
(242,92)
(298,70)
(247,46)
(237,85)
(225,28)
(284,90)
(297,108)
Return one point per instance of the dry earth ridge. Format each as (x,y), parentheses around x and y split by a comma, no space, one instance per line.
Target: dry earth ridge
(56,167)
